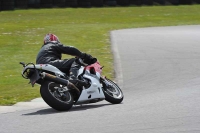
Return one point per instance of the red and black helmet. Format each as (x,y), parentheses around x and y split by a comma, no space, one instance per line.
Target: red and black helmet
(51,38)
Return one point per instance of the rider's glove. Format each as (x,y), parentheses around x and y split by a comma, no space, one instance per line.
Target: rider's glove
(88,59)
(85,56)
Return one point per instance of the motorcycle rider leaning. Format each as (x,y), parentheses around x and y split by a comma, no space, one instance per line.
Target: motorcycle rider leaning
(51,53)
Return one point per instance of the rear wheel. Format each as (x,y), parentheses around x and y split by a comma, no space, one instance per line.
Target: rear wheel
(56,96)
(112,92)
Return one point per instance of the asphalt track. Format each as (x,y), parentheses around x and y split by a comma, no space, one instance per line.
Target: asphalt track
(159,72)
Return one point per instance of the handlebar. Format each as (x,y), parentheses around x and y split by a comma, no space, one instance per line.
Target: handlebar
(82,63)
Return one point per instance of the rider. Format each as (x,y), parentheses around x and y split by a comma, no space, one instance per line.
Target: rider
(51,53)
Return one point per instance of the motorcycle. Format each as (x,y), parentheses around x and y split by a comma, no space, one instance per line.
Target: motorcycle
(61,94)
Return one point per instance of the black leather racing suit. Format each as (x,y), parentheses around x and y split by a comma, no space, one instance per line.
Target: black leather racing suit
(51,53)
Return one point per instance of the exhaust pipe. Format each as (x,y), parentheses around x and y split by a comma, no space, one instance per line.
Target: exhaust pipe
(58,80)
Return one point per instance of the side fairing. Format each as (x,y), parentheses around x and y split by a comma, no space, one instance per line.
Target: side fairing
(94,91)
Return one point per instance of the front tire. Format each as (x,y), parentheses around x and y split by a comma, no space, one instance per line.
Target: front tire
(112,92)
(60,100)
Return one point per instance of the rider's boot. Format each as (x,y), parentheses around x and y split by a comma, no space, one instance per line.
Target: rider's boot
(74,70)
(74,73)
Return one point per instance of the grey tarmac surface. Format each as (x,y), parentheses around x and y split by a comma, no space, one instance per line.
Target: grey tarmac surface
(159,71)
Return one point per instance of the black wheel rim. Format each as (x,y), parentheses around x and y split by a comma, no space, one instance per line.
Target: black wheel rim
(60,93)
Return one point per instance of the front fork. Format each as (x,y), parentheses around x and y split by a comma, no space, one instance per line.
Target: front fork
(105,83)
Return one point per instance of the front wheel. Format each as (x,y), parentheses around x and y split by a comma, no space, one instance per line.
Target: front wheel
(112,92)
(56,96)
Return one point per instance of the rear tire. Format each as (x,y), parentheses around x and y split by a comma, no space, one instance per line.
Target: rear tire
(52,97)
(113,93)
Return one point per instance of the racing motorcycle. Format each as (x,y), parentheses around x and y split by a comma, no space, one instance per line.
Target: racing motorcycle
(61,94)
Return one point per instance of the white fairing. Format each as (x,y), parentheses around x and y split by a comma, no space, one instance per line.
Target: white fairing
(46,67)
(93,92)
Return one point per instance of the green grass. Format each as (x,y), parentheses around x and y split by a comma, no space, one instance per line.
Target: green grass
(22,32)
